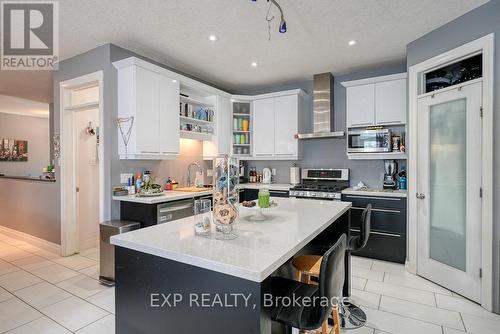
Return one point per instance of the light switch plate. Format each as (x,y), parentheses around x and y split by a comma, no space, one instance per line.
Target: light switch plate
(210,172)
(124,177)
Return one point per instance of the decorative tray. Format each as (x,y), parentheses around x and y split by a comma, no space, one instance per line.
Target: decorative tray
(149,195)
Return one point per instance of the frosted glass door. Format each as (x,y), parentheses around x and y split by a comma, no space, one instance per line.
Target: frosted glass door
(449,183)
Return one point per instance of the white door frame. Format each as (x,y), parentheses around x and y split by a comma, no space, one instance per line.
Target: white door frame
(484,45)
(69,222)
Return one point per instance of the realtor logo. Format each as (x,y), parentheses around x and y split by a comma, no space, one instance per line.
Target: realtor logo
(29,35)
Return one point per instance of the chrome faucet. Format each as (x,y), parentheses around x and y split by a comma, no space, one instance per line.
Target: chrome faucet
(200,170)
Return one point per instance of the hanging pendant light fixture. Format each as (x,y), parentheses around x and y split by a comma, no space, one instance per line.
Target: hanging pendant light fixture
(282,27)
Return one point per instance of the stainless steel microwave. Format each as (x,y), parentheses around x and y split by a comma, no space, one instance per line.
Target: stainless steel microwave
(366,141)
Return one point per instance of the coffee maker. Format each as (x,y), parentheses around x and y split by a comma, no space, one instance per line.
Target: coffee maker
(391,169)
(243,178)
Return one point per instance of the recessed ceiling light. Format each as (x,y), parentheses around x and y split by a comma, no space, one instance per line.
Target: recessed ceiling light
(352,42)
(174,81)
(254,64)
(212,38)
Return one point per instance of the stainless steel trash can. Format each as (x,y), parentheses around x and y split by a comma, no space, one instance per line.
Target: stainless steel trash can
(107,250)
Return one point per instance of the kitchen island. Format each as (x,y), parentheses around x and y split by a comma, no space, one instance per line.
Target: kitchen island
(166,277)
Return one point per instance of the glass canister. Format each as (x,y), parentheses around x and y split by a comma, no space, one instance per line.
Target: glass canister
(245,124)
(226,196)
(264,198)
(203,216)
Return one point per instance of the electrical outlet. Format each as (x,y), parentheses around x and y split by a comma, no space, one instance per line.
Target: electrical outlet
(124,177)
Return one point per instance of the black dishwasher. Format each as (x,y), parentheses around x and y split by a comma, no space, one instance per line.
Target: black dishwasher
(152,214)
(388,226)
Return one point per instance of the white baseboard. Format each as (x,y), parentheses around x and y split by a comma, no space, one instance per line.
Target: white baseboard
(35,241)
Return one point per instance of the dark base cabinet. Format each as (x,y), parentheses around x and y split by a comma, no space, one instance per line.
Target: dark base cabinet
(253,194)
(388,226)
(160,213)
(384,247)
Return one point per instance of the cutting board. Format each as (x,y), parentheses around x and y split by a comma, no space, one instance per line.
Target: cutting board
(192,189)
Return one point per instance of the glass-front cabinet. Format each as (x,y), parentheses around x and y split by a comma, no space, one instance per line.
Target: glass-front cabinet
(242,128)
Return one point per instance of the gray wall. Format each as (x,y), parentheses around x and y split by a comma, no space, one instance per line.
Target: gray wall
(473,25)
(328,153)
(31,207)
(94,60)
(36,131)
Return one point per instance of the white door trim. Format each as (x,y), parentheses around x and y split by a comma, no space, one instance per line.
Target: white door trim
(486,46)
(69,226)
(465,281)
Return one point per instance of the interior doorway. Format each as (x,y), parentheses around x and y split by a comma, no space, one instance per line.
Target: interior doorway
(452,248)
(449,178)
(87,177)
(82,190)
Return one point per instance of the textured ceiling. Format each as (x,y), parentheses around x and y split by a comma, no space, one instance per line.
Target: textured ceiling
(176,33)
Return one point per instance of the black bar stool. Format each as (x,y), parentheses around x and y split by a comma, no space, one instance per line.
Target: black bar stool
(352,316)
(307,266)
(315,315)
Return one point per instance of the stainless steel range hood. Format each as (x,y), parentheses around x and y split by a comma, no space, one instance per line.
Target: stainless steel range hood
(323,116)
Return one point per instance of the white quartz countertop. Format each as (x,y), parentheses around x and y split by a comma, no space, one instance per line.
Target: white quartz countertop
(166,197)
(260,249)
(375,192)
(272,186)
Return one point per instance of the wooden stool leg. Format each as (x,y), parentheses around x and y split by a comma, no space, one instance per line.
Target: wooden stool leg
(298,277)
(324,327)
(336,320)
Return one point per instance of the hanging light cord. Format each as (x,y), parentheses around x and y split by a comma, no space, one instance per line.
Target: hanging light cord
(269,19)
(282,25)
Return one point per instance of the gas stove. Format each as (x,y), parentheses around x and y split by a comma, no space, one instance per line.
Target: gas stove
(323,184)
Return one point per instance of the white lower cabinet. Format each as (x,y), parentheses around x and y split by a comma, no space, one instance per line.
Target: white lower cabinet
(152,100)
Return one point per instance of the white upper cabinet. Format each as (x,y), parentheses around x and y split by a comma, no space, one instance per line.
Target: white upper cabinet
(263,127)
(360,105)
(147,111)
(224,124)
(169,120)
(152,100)
(286,119)
(376,101)
(390,102)
(221,145)
(275,125)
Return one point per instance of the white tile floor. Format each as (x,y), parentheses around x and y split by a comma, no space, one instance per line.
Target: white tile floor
(43,293)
